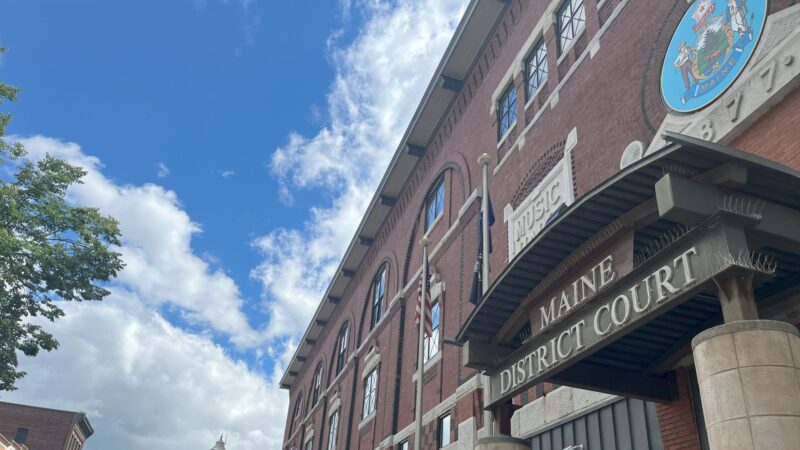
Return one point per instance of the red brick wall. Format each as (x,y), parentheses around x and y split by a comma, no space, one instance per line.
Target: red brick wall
(776,135)
(612,99)
(47,428)
(677,420)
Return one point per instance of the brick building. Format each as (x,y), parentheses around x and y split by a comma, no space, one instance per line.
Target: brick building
(43,428)
(645,273)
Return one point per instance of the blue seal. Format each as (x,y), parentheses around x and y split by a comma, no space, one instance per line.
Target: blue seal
(709,49)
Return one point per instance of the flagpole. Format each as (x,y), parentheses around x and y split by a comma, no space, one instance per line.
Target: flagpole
(421,346)
(483,160)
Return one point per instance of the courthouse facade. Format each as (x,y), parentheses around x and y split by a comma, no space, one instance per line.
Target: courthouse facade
(644,289)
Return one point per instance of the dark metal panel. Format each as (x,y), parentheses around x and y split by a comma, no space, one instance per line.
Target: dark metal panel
(607,434)
(581,432)
(638,423)
(653,431)
(622,426)
(568,434)
(595,439)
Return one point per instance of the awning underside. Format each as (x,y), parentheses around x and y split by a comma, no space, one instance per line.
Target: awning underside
(655,347)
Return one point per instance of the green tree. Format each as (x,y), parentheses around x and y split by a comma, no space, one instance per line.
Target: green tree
(50,251)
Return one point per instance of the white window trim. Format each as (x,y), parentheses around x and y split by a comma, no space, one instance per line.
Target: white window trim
(334,404)
(371,361)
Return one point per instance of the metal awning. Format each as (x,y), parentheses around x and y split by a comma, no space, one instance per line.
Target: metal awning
(599,208)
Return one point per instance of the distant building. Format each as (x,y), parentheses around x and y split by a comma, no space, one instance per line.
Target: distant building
(43,428)
(220,445)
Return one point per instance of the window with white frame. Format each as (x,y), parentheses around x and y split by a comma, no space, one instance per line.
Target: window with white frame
(403,445)
(536,68)
(370,393)
(378,295)
(431,344)
(309,445)
(316,385)
(571,18)
(444,431)
(341,348)
(333,430)
(434,204)
(507,110)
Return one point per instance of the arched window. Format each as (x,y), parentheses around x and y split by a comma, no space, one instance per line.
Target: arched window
(316,385)
(341,348)
(378,292)
(298,408)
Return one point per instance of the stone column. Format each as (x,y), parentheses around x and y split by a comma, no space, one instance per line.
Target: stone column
(749,377)
(502,443)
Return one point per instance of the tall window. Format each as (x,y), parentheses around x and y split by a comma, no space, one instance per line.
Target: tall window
(444,431)
(434,204)
(431,346)
(507,108)
(341,349)
(571,18)
(309,445)
(317,385)
(370,393)
(403,446)
(536,68)
(378,294)
(298,408)
(333,430)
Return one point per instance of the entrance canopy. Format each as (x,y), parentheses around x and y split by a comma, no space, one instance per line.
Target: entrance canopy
(610,293)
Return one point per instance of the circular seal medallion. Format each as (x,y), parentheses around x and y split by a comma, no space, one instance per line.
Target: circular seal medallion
(710,47)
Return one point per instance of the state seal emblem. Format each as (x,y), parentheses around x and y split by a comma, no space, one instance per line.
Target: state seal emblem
(711,45)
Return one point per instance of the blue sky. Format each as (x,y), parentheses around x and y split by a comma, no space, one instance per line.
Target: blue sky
(238,143)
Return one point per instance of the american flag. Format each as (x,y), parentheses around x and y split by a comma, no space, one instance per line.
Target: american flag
(428,322)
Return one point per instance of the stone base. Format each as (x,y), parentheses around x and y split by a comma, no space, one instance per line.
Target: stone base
(749,377)
(502,443)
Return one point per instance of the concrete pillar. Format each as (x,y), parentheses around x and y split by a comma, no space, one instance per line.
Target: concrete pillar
(749,377)
(502,443)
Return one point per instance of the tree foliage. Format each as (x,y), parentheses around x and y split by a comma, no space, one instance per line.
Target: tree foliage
(50,251)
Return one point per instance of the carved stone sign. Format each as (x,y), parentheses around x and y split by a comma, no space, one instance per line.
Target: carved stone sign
(531,216)
(675,274)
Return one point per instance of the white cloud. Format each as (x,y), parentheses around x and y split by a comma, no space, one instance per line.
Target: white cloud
(156,246)
(147,384)
(144,382)
(163,170)
(379,80)
(227,173)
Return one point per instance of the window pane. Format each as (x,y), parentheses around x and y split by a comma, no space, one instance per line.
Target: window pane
(444,431)
(370,392)
(508,109)
(378,291)
(435,204)
(431,344)
(537,68)
(571,19)
(333,430)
